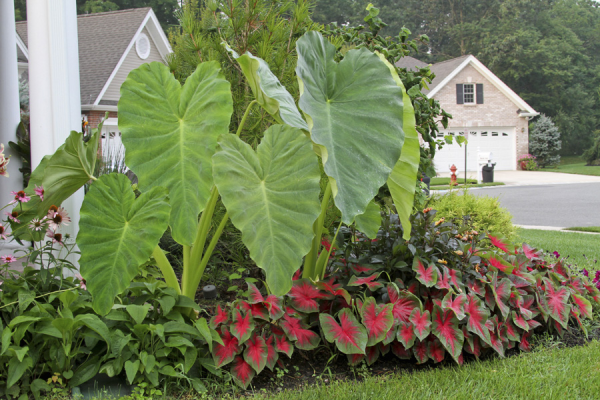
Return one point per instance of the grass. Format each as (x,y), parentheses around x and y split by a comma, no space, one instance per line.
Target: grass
(595,229)
(581,248)
(475,185)
(574,165)
(446,181)
(571,373)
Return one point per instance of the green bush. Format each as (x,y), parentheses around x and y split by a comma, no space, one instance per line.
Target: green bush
(485,212)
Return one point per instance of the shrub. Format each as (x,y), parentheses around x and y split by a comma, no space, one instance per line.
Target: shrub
(485,212)
(528,162)
(544,142)
(592,155)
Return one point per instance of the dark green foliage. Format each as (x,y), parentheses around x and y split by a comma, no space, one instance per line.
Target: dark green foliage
(592,154)
(544,142)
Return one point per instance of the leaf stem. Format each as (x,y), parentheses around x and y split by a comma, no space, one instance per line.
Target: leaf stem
(311,257)
(243,121)
(167,270)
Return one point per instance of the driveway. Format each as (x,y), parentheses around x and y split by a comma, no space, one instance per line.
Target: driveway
(527,178)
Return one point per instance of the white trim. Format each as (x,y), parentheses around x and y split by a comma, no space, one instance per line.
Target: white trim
(508,92)
(22,46)
(163,47)
(110,122)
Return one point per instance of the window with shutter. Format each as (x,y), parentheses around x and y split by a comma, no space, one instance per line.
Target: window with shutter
(469,93)
(480,93)
(459,93)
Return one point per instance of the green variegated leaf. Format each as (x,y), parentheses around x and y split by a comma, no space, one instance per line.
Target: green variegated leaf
(402,180)
(370,221)
(117,233)
(268,91)
(272,196)
(354,112)
(170,134)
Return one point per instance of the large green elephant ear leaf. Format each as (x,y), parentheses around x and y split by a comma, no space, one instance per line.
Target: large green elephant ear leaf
(117,234)
(403,179)
(61,175)
(354,111)
(268,91)
(272,196)
(370,221)
(170,134)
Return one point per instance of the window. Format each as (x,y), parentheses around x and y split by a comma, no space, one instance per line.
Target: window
(469,93)
(473,133)
(484,133)
(142,46)
(494,133)
(504,134)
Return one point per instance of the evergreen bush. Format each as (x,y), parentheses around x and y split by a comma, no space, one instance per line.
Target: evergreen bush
(545,143)
(592,154)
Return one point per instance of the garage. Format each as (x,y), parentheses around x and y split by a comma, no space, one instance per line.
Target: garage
(500,141)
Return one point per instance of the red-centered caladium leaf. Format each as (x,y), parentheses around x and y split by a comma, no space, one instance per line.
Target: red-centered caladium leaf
(559,268)
(414,287)
(406,334)
(242,326)
(272,355)
(222,317)
(583,306)
(530,252)
(334,290)
(361,269)
(524,345)
(511,331)
(242,372)
(420,351)
(226,352)
(274,305)
(282,345)
(577,285)
(499,243)
(478,316)
(489,297)
(390,336)
(527,307)
(277,331)
(436,351)
(372,353)
(476,286)
(457,304)
(443,281)
(426,275)
(400,351)
(501,265)
(304,296)
(445,327)
(501,292)
(455,278)
(257,310)
(557,303)
(384,348)
(296,330)
(369,281)
(378,319)
(520,321)
(404,303)
(421,322)
(254,295)
(355,359)
(256,353)
(349,335)
(472,344)
(593,292)
(497,344)
(575,314)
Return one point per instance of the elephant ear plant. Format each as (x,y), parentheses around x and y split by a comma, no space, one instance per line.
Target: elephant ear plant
(178,144)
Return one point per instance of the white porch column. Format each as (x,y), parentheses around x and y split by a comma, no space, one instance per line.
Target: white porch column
(55,103)
(9,101)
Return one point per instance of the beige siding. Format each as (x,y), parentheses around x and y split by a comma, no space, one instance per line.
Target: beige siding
(132,61)
(497,110)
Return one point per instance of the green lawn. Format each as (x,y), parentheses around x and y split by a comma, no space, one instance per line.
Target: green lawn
(447,187)
(595,229)
(574,165)
(581,248)
(446,181)
(544,374)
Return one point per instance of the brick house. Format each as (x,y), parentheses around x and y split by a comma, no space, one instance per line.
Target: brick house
(111,44)
(485,110)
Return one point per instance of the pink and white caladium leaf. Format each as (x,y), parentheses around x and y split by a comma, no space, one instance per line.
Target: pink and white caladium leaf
(445,327)
(421,321)
(225,353)
(436,351)
(349,335)
(400,351)
(404,303)
(241,326)
(372,354)
(369,281)
(582,305)
(478,315)
(304,296)
(296,330)
(242,372)
(457,304)
(256,353)
(377,318)
(520,321)
(282,345)
(272,354)
(221,317)
(355,359)
(426,275)
(556,302)
(406,334)
(501,292)
(257,310)
(420,352)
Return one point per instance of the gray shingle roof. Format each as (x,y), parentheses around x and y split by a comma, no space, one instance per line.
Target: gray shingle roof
(441,69)
(103,38)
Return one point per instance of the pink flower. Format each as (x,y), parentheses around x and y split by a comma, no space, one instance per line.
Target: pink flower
(585,272)
(82,283)
(56,237)
(2,232)
(3,161)
(13,216)
(556,254)
(8,259)
(20,197)
(36,224)
(57,217)
(39,190)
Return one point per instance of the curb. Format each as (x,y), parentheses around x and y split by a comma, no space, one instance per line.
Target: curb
(553,228)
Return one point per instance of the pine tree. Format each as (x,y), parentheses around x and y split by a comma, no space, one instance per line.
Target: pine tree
(544,142)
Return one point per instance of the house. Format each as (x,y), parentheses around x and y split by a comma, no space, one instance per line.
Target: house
(484,109)
(111,44)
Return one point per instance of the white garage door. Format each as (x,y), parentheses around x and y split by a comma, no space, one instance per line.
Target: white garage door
(500,141)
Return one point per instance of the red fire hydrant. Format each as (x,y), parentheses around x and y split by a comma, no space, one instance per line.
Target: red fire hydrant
(453,181)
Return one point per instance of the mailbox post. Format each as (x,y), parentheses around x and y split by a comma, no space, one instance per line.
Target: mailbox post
(483,158)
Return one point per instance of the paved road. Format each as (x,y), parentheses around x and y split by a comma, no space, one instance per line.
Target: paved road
(562,205)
